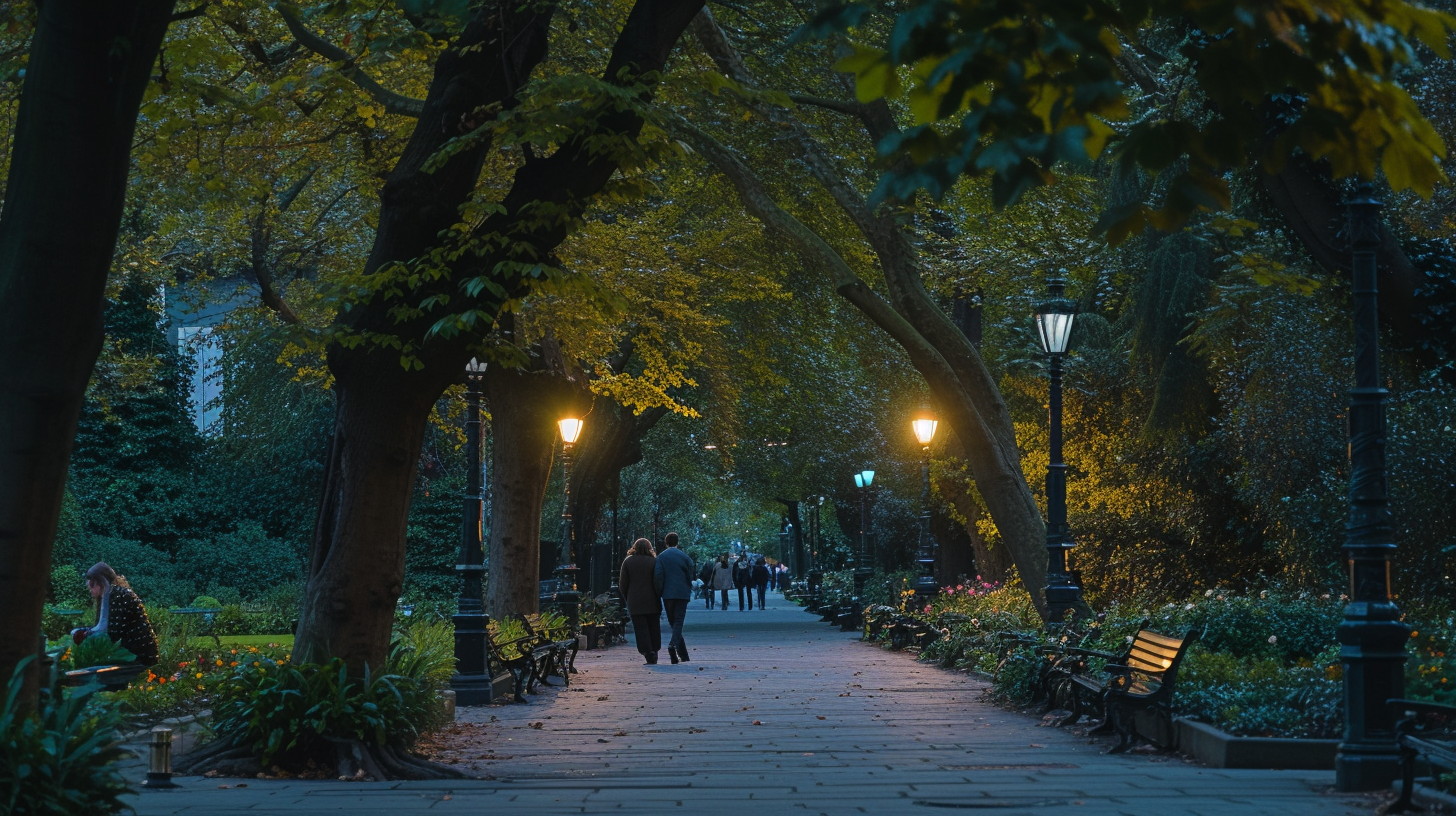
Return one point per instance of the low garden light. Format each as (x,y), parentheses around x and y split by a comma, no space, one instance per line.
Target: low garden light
(924,426)
(1054,317)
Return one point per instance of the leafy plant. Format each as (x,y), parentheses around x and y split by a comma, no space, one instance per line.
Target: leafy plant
(99,650)
(59,757)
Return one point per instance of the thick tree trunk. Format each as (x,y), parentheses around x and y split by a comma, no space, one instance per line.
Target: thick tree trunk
(612,440)
(356,566)
(955,555)
(487,65)
(524,407)
(88,67)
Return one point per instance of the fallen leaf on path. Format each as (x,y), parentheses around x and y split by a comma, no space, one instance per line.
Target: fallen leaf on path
(1036,745)
(756,722)
(620,734)
(697,730)
(537,725)
(447,797)
(820,717)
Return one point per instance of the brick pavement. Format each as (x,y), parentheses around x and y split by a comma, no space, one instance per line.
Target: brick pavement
(776,713)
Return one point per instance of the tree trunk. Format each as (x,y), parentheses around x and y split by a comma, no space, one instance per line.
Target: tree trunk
(962,386)
(487,65)
(88,67)
(612,440)
(356,564)
(524,407)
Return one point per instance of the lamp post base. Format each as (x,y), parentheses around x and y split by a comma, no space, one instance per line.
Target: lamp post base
(1061,599)
(861,575)
(472,689)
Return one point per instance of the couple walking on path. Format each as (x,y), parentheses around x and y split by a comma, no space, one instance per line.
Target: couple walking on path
(651,584)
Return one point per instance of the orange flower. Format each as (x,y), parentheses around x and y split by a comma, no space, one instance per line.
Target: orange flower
(234,663)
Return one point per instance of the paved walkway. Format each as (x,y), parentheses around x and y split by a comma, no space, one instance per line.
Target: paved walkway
(776,713)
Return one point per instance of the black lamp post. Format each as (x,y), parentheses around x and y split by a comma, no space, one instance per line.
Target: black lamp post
(924,426)
(471,680)
(862,568)
(1372,637)
(570,599)
(1054,327)
(810,566)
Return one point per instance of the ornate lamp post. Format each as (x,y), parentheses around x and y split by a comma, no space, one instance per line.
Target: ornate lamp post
(862,568)
(924,426)
(566,558)
(1372,637)
(1054,327)
(471,680)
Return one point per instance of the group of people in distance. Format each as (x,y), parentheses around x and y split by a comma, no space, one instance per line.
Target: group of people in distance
(718,578)
(653,583)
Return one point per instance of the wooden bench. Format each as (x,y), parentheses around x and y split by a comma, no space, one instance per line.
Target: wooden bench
(515,657)
(551,656)
(1425,731)
(1140,679)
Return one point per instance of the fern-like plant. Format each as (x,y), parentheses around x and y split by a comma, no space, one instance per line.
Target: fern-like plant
(60,756)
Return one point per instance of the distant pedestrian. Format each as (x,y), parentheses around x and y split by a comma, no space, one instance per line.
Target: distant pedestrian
(672,575)
(761,577)
(743,580)
(706,576)
(773,576)
(723,579)
(784,582)
(638,584)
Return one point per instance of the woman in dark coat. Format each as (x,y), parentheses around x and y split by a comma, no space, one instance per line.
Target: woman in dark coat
(119,615)
(643,604)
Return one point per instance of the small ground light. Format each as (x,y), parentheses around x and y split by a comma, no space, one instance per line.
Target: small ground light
(159,770)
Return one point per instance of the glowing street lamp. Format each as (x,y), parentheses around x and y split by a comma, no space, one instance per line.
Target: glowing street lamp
(570,428)
(1054,318)
(924,426)
(862,569)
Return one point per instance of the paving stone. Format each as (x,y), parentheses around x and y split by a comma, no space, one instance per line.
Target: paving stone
(843,728)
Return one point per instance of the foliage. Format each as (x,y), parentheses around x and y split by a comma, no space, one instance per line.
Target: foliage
(1013,90)
(186,676)
(97,650)
(60,757)
(286,714)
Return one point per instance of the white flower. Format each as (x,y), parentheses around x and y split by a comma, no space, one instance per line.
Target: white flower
(1263,593)
(1129,638)
(1187,607)
(1325,597)
(1273,639)
(1208,594)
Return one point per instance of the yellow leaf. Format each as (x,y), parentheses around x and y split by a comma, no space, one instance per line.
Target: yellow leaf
(365,112)
(1098,132)
(193,166)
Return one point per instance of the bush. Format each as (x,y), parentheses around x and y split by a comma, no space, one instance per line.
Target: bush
(97,650)
(150,571)
(59,759)
(289,715)
(205,602)
(246,560)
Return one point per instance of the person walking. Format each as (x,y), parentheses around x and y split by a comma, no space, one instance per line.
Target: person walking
(743,579)
(706,576)
(784,582)
(761,576)
(673,576)
(639,587)
(722,579)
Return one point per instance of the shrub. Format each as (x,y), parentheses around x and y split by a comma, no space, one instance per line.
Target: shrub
(288,715)
(245,559)
(59,758)
(205,602)
(98,650)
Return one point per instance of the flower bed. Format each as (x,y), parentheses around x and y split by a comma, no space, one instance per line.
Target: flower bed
(1266,663)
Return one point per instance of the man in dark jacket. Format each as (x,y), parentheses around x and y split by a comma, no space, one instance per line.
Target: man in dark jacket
(638,583)
(761,576)
(743,580)
(673,577)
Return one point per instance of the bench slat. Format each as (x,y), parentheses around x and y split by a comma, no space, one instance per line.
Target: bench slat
(1153,648)
(1160,640)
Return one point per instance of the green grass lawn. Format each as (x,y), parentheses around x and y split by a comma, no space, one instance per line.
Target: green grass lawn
(244,640)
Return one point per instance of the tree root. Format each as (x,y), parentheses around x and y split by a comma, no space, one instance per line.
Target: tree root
(386,762)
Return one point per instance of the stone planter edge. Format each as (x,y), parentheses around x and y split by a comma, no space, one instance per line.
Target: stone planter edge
(1219,749)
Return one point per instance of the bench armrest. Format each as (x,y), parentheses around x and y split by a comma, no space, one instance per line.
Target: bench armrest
(1078,650)
(1421,707)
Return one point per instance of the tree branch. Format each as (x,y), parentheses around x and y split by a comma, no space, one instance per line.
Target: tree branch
(397,104)
(190,13)
(848,108)
(264,273)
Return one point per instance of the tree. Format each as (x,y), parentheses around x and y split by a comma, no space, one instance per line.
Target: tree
(86,70)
